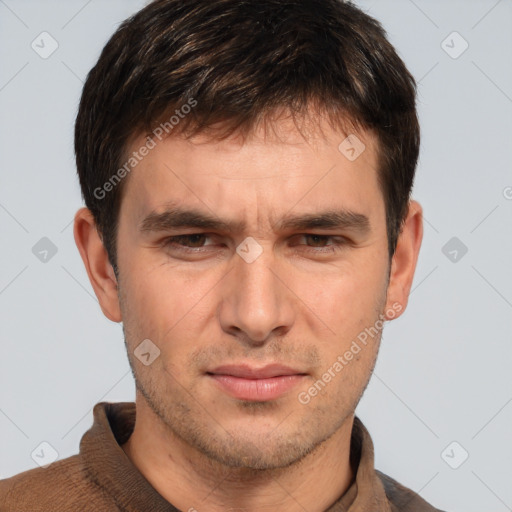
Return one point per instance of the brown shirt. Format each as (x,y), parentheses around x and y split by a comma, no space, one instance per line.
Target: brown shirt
(102,478)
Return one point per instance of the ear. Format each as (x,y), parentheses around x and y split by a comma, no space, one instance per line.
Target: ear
(404,261)
(95,258)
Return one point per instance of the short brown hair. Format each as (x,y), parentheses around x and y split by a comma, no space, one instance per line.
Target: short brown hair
(241,61)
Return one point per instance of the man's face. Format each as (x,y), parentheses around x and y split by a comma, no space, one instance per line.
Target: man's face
(291,295)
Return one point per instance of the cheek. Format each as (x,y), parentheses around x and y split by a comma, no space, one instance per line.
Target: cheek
(166,304)
(150,300)
(346,294)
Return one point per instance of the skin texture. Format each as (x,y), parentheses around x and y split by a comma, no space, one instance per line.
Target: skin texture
(301,303)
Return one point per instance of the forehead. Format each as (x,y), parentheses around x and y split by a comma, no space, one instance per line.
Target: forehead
(273,168)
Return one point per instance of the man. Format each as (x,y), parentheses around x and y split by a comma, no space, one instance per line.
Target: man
(247,169)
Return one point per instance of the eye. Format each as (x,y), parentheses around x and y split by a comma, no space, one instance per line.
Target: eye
(320,242)
(194,243)
(186,242)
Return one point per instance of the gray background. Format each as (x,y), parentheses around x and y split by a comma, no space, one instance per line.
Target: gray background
(444,368)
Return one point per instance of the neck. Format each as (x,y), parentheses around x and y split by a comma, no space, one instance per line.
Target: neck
(192,481)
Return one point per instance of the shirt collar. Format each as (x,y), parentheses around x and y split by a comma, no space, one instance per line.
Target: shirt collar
(366,491)
(109,467)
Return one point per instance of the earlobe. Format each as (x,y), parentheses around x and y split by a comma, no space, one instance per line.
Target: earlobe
(95,258)
(404,260)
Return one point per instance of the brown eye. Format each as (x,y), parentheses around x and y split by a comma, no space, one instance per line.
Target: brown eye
(318,240)
(195,240)
(319,244)
(184,242)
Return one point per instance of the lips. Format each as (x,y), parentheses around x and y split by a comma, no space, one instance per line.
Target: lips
(250,383)
(248,372)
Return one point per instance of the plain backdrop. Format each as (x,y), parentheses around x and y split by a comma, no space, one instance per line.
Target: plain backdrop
(442,388)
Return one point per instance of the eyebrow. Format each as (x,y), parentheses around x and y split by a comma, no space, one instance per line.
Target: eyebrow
(179,217)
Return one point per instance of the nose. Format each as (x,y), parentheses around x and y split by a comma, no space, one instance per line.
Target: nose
(256,304)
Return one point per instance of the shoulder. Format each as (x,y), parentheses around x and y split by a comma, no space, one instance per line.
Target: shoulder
(62,486)
(402,498)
